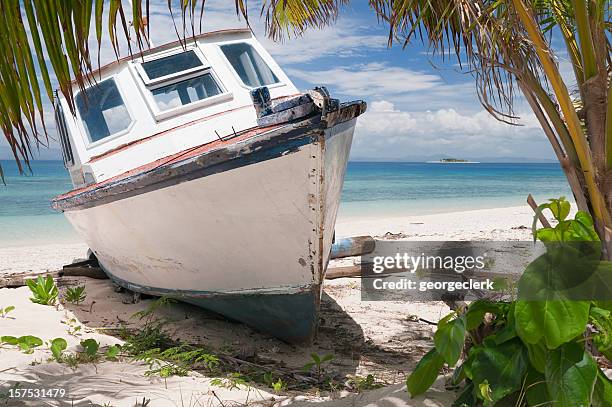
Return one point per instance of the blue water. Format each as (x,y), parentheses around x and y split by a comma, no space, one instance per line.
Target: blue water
(25,213)
(402,189)
(370,190)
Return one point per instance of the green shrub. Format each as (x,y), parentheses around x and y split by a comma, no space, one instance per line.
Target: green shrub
(44,290)
(533,350)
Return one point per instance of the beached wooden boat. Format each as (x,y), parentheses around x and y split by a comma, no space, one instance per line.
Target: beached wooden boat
(202,173)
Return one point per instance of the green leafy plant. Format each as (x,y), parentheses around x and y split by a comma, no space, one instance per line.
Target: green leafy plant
(318,363)
(148,313)
(112,352)
(76,295)
(44,290)
(360,383)
(4,311)
(74,329)
(90,347)
(277,385)
(177,360)
(232,381)
(25,343)
(58,346)
(90,353)
(532,351)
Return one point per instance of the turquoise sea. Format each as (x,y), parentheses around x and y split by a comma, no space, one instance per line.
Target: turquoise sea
(371,189)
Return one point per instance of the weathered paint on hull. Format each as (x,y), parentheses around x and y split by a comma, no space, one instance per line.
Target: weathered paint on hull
(251,242)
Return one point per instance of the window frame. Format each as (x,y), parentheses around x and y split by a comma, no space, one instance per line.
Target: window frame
(89,143)
(151,82)
(147,85)
(229,65)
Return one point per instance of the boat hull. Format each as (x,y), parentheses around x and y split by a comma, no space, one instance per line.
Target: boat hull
(248,236)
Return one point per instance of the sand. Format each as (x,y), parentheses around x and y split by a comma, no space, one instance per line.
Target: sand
(385,339)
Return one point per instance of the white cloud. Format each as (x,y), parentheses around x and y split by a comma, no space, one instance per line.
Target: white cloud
(387,132)
(344,39)
(372,79)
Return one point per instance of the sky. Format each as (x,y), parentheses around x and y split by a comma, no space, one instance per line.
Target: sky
(419,107)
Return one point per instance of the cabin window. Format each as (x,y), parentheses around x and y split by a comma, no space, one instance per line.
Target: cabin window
(102,110)
(62,129)
(170,66)
(247,63)
(185,92)
(177,80)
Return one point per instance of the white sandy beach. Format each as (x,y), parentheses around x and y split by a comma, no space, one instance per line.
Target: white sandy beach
(385,339)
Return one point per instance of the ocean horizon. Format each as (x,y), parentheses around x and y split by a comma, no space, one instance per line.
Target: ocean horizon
(371,190)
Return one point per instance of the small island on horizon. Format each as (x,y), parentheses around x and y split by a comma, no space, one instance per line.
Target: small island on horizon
(452,161)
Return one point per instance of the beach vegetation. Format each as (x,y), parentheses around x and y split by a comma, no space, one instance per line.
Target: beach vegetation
(148,314)
(5,311)
(318,363)
(90,347)
(232,381)
(74,328)
(112,352)
(142,403)
(25,343)
(58,346)
(75,295)
(535,350)
(91,352)
(44,291)
(361,383)
(178,360)
(276,384)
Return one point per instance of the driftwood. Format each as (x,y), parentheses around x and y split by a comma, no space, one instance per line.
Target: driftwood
(352,246)
(79,269)
(541,216)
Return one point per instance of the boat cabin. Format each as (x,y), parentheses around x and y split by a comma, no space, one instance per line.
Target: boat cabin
(171,98)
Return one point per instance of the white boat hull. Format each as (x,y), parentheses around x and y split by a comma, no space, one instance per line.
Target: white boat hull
(251,242)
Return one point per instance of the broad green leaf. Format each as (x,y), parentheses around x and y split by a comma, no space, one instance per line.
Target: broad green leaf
(537,355)
(9,309)
(26,343)
(507,333)
(58,345)
(543,309)
(449,339)
(536,391)
(554,321)
(602,395)
(560,208)
(502,366)
(11,340)
(425,373)
(31,341)
(91,347)
(112,352)
(485,391)
(570,375)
